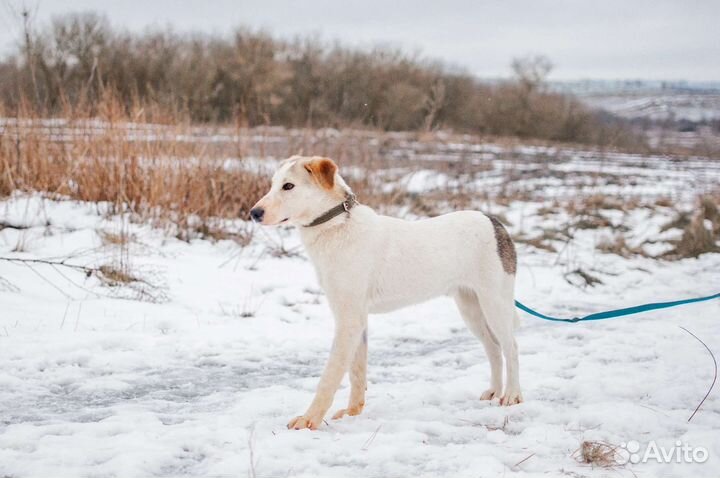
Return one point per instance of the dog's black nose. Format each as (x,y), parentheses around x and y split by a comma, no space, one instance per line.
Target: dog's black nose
(256,214)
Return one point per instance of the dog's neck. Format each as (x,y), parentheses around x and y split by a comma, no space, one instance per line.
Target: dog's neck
(332,227)
(337,210)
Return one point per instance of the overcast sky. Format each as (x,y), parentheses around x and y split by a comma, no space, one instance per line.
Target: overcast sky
(609,39)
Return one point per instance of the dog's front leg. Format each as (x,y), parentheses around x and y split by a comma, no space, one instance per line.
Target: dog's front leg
(348,335)
(358,381)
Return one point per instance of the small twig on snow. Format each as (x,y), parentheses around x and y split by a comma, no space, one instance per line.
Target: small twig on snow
(27,264)
(251,471)
(369,441)
(714,374)
(67,307)
(108,275)
(77,318)
(87,270)
(8,286)
(524,460)
(17,227)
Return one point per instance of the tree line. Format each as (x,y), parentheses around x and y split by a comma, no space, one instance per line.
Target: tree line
(253,78)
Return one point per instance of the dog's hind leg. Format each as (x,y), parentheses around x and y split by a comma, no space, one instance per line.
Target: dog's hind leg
(501,320)
(473,316)
(358,381)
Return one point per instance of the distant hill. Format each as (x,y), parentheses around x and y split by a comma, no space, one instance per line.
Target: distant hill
(657,100)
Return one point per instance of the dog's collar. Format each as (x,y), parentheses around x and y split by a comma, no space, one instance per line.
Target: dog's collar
(341,208)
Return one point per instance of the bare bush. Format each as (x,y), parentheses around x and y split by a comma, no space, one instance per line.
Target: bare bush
(251,78)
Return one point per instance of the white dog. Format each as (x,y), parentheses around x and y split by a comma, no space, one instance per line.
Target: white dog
(367,263)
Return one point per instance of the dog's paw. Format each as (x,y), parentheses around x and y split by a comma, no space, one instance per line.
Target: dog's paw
(351,411)
(489,394)
(511,397)
(302,422)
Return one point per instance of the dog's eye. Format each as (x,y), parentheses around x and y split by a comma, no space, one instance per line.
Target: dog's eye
(288,186)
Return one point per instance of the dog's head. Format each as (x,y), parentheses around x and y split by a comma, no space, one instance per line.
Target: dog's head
(302,188)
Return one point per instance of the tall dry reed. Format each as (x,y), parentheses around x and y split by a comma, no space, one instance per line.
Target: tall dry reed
(139,161)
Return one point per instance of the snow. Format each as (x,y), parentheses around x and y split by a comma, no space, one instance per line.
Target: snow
(698,106)
(202,381)
(424,180)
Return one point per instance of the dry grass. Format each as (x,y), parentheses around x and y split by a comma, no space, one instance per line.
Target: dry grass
(130,285)
(680,221)
(596,202)
(115,239)
(701,230)
(114,276)
(582,278)
(162,176)
(598,453)
(155,166)
(249,307)
(664,202)
(159,168)
(592,221)
(542,242)
(619,246)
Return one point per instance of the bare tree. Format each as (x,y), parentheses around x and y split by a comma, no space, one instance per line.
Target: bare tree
(531,71)
(25,14)
(252,78)
(434,103)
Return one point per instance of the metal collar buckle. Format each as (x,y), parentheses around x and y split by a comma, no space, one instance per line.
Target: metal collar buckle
(349,202)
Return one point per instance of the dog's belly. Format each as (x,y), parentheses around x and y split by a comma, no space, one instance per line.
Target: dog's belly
(386,301)
(385,306)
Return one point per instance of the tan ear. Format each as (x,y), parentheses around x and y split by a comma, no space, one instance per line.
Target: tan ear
(323,170)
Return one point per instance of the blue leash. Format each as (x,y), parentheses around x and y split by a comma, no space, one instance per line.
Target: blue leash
(617,312)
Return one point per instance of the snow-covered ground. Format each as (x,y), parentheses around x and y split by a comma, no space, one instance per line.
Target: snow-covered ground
(659,100)
(659,106)
(202,381)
